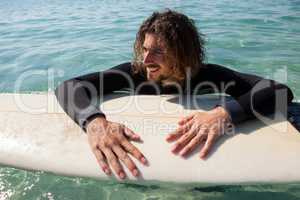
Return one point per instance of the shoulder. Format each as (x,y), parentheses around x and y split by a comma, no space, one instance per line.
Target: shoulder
(211,67)
(126,67)
(215,71)
(123,68)
(219,72)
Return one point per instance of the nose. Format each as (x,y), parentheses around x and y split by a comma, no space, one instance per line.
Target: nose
(148,58)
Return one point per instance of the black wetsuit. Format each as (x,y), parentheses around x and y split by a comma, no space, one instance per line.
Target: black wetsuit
(248,91)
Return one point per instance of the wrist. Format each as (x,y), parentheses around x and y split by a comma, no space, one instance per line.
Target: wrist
(222,112)
(96,123)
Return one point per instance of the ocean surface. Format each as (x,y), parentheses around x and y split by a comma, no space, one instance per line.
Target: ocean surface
(43,42)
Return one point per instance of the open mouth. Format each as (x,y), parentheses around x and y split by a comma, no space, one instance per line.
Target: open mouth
(153,69)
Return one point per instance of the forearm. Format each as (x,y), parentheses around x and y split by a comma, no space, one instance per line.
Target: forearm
(80,97)
(265,98)
(76,102)
(252,95)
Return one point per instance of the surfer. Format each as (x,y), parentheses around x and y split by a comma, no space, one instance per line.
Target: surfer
(169,57)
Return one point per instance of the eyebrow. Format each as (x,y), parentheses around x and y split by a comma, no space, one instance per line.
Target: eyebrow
(154,49)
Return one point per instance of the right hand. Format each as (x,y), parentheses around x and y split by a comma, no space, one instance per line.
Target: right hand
(109,143)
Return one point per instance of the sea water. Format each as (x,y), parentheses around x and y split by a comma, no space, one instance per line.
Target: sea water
(43,42)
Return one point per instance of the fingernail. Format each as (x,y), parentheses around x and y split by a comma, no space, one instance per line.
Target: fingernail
(104,169)
(135,172)
(174,148)
(107,171)
(202,156)
(122,175)
(143,160)
(137,136)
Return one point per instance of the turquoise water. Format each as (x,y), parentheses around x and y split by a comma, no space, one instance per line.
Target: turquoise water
(68,38)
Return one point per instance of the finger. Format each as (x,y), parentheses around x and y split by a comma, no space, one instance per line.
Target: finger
(123,156)
(132,135)
(130,148)
(179,131)
(185,119)
(192,144)
(208,145)
(102,161)
(183,140)
(114,162)
(173,136)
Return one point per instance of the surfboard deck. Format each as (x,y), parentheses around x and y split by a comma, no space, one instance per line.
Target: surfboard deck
(36,134)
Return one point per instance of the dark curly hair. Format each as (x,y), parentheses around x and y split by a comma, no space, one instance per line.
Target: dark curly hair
(183,42)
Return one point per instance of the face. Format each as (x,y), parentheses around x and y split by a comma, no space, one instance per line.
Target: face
(154,58)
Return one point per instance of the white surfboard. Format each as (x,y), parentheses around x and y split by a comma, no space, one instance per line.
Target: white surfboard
(36,134)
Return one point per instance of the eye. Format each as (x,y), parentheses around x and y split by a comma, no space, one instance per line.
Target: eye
(144,49)
(158,52)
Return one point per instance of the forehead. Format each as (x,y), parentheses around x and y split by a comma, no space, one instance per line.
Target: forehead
(153,41)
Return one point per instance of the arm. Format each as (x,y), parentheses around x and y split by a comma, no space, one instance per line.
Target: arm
(108,140)
(79,96)
(252,94)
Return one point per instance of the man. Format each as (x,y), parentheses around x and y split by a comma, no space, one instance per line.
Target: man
(168,58)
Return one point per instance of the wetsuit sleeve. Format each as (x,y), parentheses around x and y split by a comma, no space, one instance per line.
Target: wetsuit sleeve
(252,95)
(79,96)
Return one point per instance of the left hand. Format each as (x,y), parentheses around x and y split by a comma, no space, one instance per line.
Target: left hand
(198,128)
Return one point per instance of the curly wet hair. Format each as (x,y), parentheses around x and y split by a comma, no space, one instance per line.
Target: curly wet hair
(184,44)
